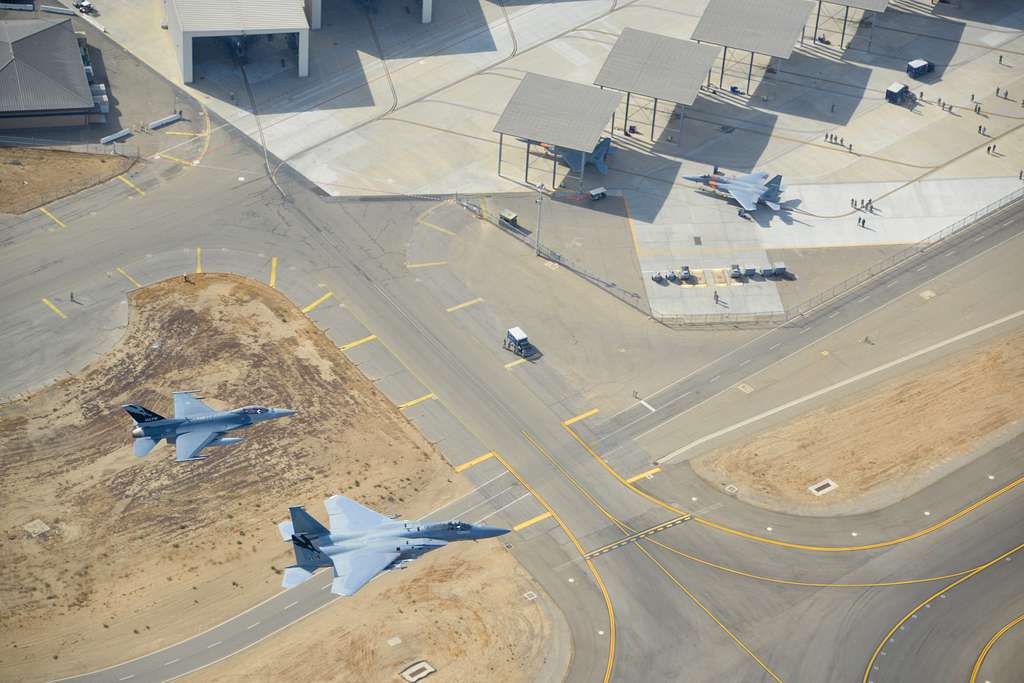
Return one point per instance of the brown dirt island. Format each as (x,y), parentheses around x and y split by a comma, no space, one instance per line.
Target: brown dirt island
(32,177)
(885,443)
(142,553)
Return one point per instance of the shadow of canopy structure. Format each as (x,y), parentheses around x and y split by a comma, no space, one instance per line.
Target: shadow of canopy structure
(767,27)
(571,117)
(865,5)
(658,67)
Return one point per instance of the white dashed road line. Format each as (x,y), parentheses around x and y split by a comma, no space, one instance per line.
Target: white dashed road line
(290,605)
(213,645)
(252,626)
(173,661)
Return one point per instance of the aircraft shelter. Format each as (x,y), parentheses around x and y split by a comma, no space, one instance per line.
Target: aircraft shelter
(767,27)
(833,19)
(552,111)
(657,67)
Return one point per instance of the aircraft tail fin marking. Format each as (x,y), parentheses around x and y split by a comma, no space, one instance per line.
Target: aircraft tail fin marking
(303,523)
(141,414)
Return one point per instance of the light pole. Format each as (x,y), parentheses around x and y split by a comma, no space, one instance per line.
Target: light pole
(540,204)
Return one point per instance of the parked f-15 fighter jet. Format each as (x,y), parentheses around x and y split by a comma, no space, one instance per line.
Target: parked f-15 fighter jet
(747,190)
(362,543)
(194,426)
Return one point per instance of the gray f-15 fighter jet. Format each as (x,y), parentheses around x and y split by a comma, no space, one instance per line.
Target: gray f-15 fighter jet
(747,190)
(362,543)
(194,426)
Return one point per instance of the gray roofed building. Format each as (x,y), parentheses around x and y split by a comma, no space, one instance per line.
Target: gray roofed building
(871,5)
(41,73)
(190,19)
(767,27)
(558,112)
(656,66)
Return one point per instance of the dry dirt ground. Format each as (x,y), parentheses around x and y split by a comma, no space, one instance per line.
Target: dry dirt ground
(142,553)
(882,443)
(453,613)
(32,177)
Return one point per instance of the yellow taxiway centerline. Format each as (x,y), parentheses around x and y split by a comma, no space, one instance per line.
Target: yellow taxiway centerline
(475,461)
(54,308)
(129,277)
(53,218)
(530,522)
(357,342)
(426,264)
(456,307)
(310,307)
(989,644)
(421,399)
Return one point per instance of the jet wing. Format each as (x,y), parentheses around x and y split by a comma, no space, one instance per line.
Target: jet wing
(188,445)
(348,515)
(760,177)
(353,570)
(187,404)
(746,198)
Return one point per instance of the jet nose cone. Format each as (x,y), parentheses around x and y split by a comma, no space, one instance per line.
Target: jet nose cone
(283,412)
(491,531)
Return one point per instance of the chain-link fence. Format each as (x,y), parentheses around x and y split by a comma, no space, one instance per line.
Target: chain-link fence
(114,148)
(638,301)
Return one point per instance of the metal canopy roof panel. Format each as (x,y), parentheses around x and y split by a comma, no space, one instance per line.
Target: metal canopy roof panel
(278,16)
(767,27)
(41,67)
(562,113)
(873,5)
(657,66)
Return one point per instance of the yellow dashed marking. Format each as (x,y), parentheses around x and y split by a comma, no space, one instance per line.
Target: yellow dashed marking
(475,461)
(530,522)
(199,259)
(129,277)
(464,304)
(131,185)
(310,307)
(54,308)
(357,342)
(642,475)
(427,264)
(581,416)
(53,218)
(421,399)
(517,361)
(273,272)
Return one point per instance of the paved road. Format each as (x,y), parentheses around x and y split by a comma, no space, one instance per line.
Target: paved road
(673,616)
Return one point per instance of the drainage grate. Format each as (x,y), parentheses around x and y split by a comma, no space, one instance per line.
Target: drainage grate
(823,487)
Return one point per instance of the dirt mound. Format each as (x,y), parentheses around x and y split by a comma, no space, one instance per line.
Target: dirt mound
(141,553)
(32,177)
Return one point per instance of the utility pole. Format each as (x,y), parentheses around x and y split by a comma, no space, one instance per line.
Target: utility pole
(540,204)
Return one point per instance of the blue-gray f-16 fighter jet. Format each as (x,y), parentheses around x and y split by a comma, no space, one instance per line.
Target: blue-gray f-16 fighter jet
(747,190)
(361,543)
(194,426)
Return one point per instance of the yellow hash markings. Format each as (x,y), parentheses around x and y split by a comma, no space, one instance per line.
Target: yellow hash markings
(310,307)
(54,308)
(517,361)
(989,644)
(581,416)
(53,218)
(357,342)
(161,155)
(530,522)
(273,272)
(642,475)
(421,399)
(475,461)
(456,307)
(199,260)
(129,277)
(132,185)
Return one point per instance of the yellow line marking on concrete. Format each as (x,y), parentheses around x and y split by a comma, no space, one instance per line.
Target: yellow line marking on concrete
(426,264)
(185,134)
(609,667)
(199,259)
(53,218)
(130,278)
(464,304)
(273,272)
(530,522)
(54,308)
(357,342)
(581,416)
(517,361)
(162,155)
(475,461)
(632,228)
(874,656)
(648,473)
(708,612)
(421,399)
(989,644)
(207,134)
(132,185)
(427,224)
(310,307)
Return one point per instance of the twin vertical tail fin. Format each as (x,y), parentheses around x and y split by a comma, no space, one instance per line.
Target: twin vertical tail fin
(303,531)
